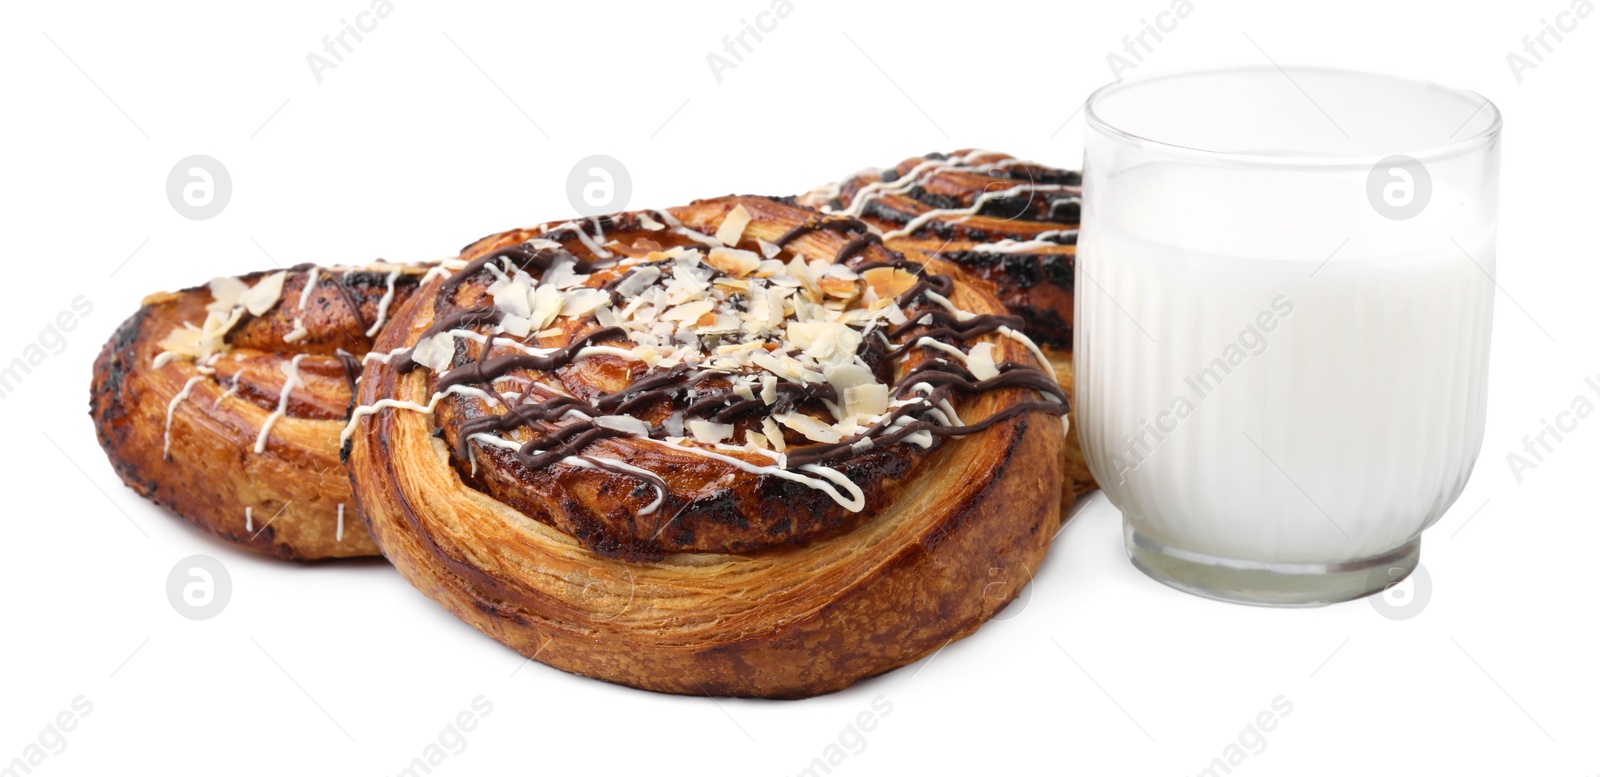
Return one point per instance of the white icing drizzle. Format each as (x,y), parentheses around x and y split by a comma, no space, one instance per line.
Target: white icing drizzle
(383,304)
(949,411)
(827,191)
(944,412)
(166,446)
(479,337)
(365,410)
(291,373)
(667,218)
(583,237)
(500,272)
(962,315)
(928,342)
(591,461)
(585,461)
(473,391)
(338,529)
(858,499)
(677,227)
(856,502)
(705,240)
(875,189)
(299,332)
(1009,246)
(1032,348)
(383,357)
(899,185)
(444,269)
(498,442)
(922,439)
(249,519)
(977,204)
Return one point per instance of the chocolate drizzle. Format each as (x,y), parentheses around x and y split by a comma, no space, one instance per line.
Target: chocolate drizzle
(552,426)
(946,325)
(845,226)
(487,370)
(555,442)
(524,256)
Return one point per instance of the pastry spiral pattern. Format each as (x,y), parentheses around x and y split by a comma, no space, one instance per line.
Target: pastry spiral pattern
(734,448)
(224,402)
(1008,222)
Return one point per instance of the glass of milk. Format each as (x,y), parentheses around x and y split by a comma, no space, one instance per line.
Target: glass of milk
(1285,285)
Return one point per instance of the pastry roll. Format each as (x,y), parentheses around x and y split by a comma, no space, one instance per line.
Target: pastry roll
(736,448)
(224,402)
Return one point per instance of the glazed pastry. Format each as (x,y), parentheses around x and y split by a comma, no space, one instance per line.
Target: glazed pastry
(1011,223)
(224,402)
(736,448)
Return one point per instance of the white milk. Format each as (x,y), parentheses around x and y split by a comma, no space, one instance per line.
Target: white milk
(1246,397)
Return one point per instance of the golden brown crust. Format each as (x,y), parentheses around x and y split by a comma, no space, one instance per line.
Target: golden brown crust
(946,547)
(1076,479)
(287,500)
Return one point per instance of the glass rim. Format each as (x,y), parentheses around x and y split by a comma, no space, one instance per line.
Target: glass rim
(1454,147)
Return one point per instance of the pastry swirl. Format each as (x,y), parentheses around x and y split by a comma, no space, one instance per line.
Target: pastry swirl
(224,402)
(1008,222)
(736,448)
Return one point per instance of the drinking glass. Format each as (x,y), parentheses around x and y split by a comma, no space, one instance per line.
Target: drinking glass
(1285,285)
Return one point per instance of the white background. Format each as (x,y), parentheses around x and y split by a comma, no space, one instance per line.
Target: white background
(425,138)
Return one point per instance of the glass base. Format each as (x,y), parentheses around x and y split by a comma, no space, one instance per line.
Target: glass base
(1269,584)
